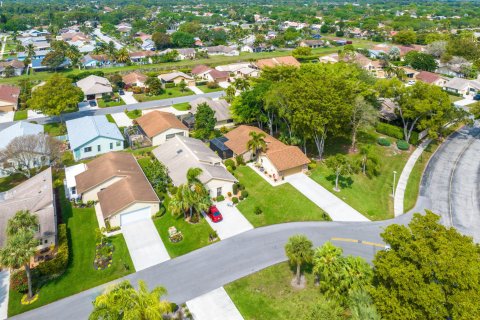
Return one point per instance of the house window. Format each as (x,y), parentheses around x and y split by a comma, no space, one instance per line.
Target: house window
(99,148)
(73,190)
(38,228)
(40,242)
(118,143)
(170,136)
(111,145)
(87,149)
(46,241)
(219,191)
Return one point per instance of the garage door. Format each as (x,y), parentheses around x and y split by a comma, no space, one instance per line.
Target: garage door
(134,216)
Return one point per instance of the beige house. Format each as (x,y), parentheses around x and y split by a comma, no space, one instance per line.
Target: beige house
(278,161)
(181,153)
(9,98)
(35,195)
(134,79)
(118,183)
(94,87)
(161,126)
(176,78)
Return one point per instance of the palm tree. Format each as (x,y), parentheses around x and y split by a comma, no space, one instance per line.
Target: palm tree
(22,220)
(299,251)
(124,302)
(179,203)
(256,143)
(123,56)
(327,266)
(74,55)
(230,93)
(30,50)
(241,84)
(18,252)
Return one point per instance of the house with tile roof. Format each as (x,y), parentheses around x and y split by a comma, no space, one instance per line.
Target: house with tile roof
(462,86)
(160,126)
(134,79)
(17,66)
(278,61)
(118,183)
(176,77)
(278,160)
(9,97)
(36,196)
(221,108)
(93,135)
(94,87)
(431,78)
(182,153)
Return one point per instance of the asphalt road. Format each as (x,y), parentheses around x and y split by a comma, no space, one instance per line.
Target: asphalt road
(129,107)
(450,185)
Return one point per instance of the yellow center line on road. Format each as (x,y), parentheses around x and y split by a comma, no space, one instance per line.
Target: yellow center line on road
(368,243)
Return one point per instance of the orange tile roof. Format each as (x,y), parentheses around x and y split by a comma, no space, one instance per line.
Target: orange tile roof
(282,156)
(156,122)
(274,62)
(134,77)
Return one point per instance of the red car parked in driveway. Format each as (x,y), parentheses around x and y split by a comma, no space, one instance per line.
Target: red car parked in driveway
(214,214)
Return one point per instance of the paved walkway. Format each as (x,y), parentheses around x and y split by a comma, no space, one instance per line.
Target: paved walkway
(4,43)
(122,119)
(128,97)
(196,90)
(403,180)
(144,244)
(233,222)
(4,287)
(167,109)
(32,114)
(214,305)
(6,116)
(251,165)
(331,204)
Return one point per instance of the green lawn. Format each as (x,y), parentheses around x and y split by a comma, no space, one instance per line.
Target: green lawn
(134,114)
(182,106)
(195,236)
(413,184)
(103,104)
(55,129)
(8,182)
(110,118)
(80,274)
(370,196)
(206,89)
(169,93)
(268,294)
(279,204)
(20,115)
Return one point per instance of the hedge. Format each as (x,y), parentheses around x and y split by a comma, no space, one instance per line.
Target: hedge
(383,142)
(57,265)
(230,163)
(235,200)
(403,145)
(220,198)
(395,132)
(169,85)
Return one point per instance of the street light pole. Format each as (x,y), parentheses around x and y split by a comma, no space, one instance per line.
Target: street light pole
(393,186)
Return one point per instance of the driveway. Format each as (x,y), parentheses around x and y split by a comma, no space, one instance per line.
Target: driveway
(331,204)
(196,90)
(6,116)
(128,97)
(214,305)
(107,39)
(122,119)
(451,182)
(144,244)
(32,114)
(4,287)
(464,102)
(224,84)
(233,222)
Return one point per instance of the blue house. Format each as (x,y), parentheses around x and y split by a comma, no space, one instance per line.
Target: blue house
(93,135)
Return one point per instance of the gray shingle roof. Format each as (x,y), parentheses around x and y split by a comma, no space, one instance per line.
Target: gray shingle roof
(221,107)
(19,129)
(94,85)
(85,129)
(182,153)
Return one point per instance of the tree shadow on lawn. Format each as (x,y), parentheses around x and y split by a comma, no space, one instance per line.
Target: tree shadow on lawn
(343,182)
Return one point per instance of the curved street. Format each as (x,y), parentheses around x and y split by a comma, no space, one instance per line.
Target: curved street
(449,187)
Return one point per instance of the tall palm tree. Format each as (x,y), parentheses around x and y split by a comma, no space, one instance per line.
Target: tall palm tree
(18,252)
(111,51)
(30,50)
(22,220)
(74,55)
(256,143)
(299,250)
(241,84)
(328,266)
(230,93)
(123,56)
(124,302)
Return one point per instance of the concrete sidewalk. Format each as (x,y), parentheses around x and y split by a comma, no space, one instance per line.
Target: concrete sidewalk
(128,98)
(122,119)
(336,208)
(214,305)
(4,288)
(403,180)
(196,90)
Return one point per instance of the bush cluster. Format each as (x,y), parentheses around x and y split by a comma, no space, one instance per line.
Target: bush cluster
(395,132)
(57,265)
(230,163)
(220,198)
(384,142)
(235,200)
(403,145)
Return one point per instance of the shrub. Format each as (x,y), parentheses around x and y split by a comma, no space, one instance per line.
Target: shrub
(169,85)
(229,193)
(389,130)
(220,198)
(161,212)
(137,90)
(257,210)
(383,142)
(230,163)
(230,169)
(240,161)
(235,200)
(67,158)
(312,165)
(235,188)
(18,281)
(403,145)
(244,193)
(212,85)
(57,265)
